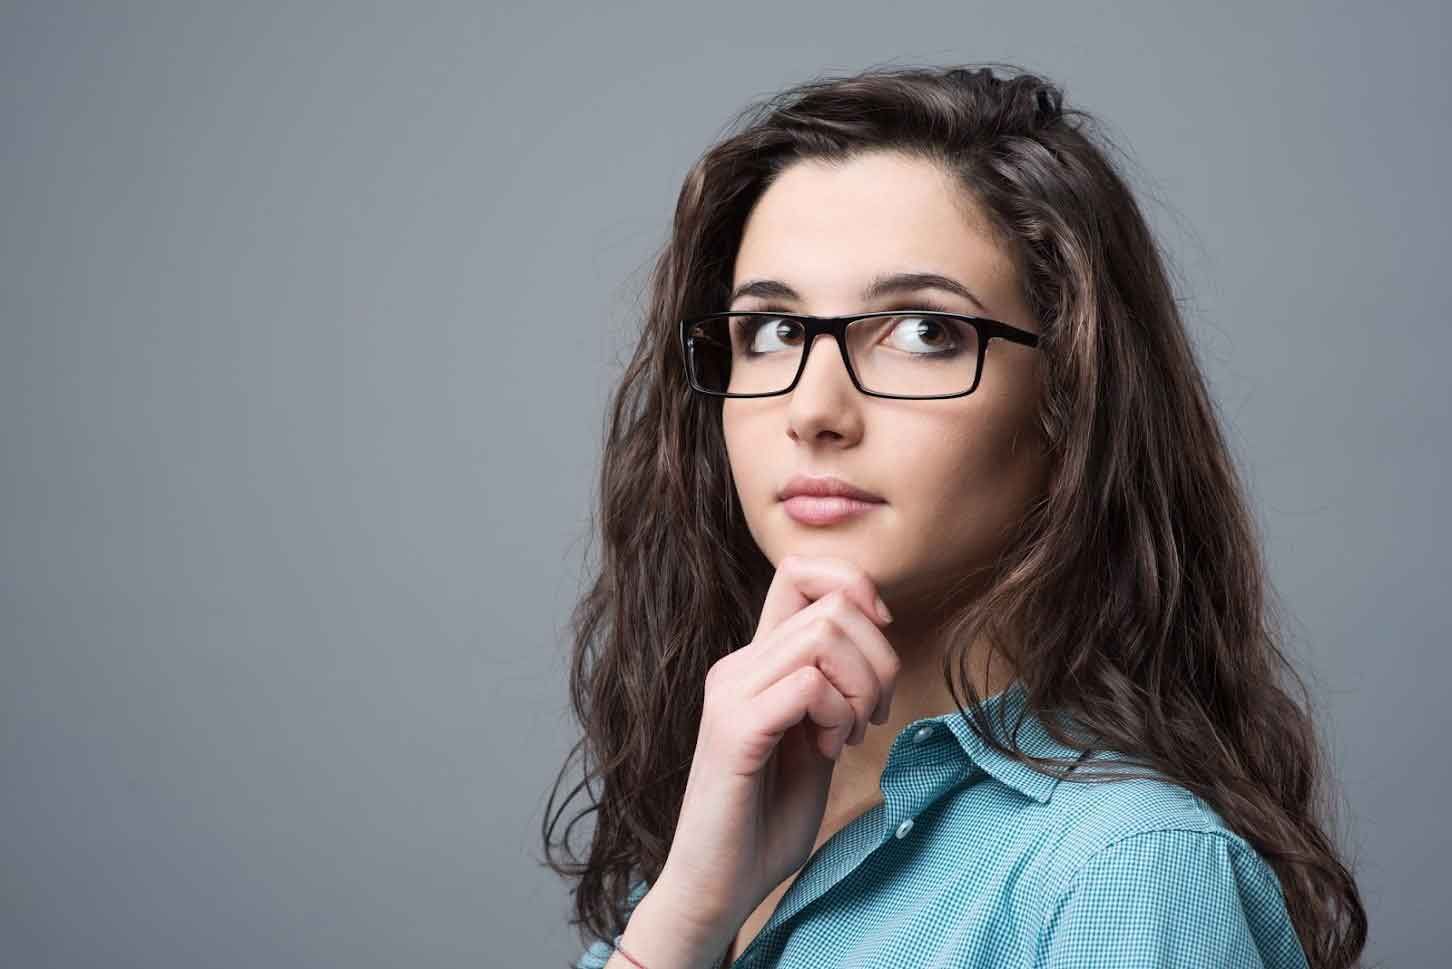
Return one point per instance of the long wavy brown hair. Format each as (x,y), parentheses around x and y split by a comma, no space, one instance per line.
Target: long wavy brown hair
(1135,588)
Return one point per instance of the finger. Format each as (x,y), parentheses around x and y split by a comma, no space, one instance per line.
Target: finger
(801,580)
(808,695)
(833,635)
(875,647)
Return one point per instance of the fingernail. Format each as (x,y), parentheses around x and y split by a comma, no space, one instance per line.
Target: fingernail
(882,610)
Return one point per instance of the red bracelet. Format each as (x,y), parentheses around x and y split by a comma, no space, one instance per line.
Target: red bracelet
(629,958)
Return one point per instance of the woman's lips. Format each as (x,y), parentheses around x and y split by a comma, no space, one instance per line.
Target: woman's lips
(810,510)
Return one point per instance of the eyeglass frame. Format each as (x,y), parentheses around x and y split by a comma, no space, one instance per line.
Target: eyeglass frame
(987,329)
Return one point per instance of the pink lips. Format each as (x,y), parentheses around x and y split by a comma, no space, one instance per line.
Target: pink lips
(811,510)
(824,499)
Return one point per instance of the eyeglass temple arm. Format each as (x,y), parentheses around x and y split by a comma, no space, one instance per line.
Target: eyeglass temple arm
(1005,331)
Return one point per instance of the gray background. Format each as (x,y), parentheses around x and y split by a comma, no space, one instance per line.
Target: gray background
(309,318)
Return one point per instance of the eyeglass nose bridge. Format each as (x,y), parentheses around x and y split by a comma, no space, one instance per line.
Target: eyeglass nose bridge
(834,326)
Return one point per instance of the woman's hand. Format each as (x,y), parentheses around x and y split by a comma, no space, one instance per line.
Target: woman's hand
(777,714)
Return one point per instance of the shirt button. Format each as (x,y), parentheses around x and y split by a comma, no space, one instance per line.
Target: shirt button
(923,734)
(905,827)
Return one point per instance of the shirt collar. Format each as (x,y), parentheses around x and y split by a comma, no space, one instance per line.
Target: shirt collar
(1002,711)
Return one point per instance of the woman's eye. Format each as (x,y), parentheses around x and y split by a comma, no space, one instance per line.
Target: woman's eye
(922,334)
(768,333)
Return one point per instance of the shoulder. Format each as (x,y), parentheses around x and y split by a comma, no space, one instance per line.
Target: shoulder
(1087,818)
(1145,873)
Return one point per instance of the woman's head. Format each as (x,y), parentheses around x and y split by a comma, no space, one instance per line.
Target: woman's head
(1080,508)
(991,181)
(954,474)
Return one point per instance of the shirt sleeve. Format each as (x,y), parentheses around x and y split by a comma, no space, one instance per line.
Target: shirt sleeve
(600,950)
(1175,897)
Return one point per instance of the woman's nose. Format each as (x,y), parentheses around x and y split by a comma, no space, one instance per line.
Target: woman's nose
(821,406)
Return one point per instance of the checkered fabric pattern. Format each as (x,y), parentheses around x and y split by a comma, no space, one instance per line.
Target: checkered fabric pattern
(976,860)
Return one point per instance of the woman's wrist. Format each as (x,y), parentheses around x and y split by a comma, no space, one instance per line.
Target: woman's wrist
(666,932)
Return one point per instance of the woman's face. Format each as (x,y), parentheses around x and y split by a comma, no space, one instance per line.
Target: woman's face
(954,474)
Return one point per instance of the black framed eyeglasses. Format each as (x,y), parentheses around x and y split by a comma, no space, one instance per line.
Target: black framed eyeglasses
(905,354)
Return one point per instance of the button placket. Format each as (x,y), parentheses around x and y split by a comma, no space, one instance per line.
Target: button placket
(917,774)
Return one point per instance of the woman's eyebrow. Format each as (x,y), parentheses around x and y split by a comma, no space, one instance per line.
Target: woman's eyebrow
(887,284)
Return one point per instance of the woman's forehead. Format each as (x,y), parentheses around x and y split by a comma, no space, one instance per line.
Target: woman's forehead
(830,230)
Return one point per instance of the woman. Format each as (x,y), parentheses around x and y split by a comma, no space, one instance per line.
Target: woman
(1016,699)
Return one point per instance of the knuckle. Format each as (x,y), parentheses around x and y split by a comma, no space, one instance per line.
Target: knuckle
(830,663)
(823,627)
(810,680)
(717,673)
(838,603)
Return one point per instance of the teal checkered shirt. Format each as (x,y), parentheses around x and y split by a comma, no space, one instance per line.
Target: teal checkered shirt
(976,860)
